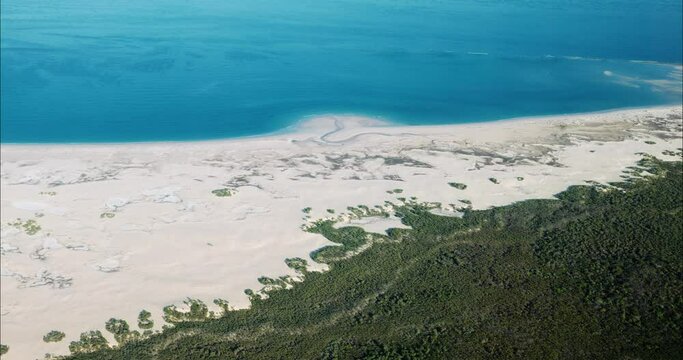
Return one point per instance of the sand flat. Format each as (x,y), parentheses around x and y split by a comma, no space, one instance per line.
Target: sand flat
(126,227)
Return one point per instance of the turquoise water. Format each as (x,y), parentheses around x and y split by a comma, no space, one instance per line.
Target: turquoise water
(95,70)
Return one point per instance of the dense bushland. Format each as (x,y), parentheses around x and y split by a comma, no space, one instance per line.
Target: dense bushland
(597,273)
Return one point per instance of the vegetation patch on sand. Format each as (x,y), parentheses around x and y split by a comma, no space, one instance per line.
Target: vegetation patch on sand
(223,192)
(121,330)
(89,342)
(107,215)
(30,226)
(592,274)
(54,336)
(145,321)
(457,185)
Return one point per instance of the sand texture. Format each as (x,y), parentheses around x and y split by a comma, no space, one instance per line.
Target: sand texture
(91,232)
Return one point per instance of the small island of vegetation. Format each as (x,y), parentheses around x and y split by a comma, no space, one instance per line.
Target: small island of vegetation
(223,192)
(457,185)
(54,336)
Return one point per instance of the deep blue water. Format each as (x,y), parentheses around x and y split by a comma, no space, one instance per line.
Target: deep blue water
(132,70)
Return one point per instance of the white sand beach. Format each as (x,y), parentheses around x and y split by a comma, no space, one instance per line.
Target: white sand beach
(126,227)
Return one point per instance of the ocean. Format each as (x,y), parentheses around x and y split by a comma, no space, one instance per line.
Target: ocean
(131,70)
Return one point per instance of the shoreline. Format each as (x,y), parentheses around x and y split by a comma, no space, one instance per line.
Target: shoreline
(108,230)
(303,121)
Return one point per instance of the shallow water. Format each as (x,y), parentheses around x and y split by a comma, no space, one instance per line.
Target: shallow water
(95,70)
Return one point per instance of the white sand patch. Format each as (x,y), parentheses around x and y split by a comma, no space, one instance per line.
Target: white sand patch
(116,203)
(168,237)
(376,224)
(29,205)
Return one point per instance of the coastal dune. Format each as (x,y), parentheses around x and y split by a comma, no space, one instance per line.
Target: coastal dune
(94,231)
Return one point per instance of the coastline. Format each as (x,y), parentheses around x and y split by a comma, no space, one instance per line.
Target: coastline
(169,228)
(303,121)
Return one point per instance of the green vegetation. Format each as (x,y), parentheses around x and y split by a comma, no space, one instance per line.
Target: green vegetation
(594,274)
(223,304)
(270,284)
(30,226)
(457,185)
(650,142)
(144,320)
(54,336)
(306,210)
(223,192)
(89,342)
(107,215)
(349,238)
(197,311)
(406,161)
(362,211)
(494,180)
(395,191)
(297,264)
(121,330)
(520,178)
(331,211)
(252,295)
(3,349)
(678,153)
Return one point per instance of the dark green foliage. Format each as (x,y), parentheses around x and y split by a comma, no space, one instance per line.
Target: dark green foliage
(121,330)
(349,237)
(89,342)
(53,336)
(3,349)
(224,192)
(144,320)
(297,264)
(678,153)
(117,326)
(223,304)
(596,274)
(459,186)
(267,281)
(406,161)
(253,296)
(198,311)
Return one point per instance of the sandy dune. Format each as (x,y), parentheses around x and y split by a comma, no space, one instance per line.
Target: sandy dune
(91,232)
